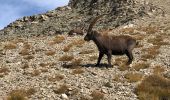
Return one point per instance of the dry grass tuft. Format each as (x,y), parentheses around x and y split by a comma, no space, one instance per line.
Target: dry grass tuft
(29,57)
(24,52)
(78,71)
(21,94)
(4,71)
(66,58)
(35,73)
(139,37)
(152,52)
(121,63)
(27,45)
(18,40)
(77,43)
(148,29)
(10,46)
(154,87)
(128,30)
(50,53)
(133,77)
(76,62)
(123,67)
(30,91)
(67,48)
(158,40)
(17,95)
(62,89)
(158,70)
(92,58)
(57,39)
(97,95)
(141,65)
(86,52)
(56,78)
(44,64)
(117,78)
(25,66)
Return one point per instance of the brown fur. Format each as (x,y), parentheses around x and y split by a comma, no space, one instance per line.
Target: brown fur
(111,45)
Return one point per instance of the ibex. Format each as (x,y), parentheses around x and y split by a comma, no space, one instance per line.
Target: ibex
(110,45)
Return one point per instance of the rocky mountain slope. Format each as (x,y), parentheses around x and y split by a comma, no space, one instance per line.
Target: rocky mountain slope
(39,60)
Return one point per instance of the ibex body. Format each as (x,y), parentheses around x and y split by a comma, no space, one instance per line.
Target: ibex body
(111,45)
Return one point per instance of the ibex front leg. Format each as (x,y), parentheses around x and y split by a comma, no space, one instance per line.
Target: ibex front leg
(99,58)
(109,57)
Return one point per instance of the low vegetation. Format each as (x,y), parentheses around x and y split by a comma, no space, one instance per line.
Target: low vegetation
(57,39)
(57,77)
(141,65)
(4,71)
(66,58)
(10,46)
(86,51)
(133,77)
(50,53)
(154,87)
(158,70)
(21,94)
(78,71)
(62,89)
(97,95)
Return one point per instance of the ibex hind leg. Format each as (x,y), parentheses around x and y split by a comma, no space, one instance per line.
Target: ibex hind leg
(130,56)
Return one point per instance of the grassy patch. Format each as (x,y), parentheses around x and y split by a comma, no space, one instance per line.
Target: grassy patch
(158,40)
(57,39)
(141,65)
(158,70)
(128,30)
(123,66)
(148,29)
(76,62)
(86,51)
(97,95)
(133,77)
(35,73)
(67,48)
(24,52)
(77,43)
(50,53)
(10,46)
(56,78)
(4,71)
(25,66)
(92,58)
(21,94)
(117,78)
(29,57)
(62,89)
(154,87)
(66,58)
(139,37)
(78,71)
(27,45)
(151,52)
(44,64)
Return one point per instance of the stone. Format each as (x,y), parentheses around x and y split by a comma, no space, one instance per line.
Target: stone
(64,96)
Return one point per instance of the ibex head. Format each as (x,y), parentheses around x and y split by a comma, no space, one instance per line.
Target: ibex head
(91,33)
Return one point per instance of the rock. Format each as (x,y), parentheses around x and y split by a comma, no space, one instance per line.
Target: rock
(64,96)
